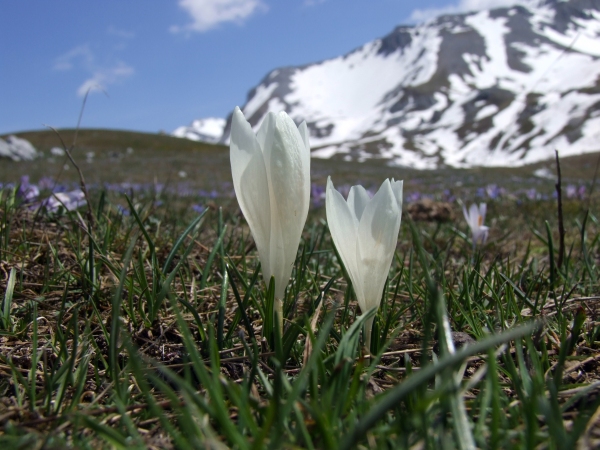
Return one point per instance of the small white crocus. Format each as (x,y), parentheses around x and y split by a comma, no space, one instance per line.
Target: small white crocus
(271,178)
(365,233)
(475,217)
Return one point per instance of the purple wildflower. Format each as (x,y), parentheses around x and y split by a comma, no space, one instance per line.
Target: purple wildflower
(413,197)
(27,191)
(571,191)
(69,201)
(532,194)
(123,211)
(46,183)
(494,191)
(317,194)
(198,208)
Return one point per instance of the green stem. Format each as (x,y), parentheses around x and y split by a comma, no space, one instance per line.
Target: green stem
(278,309)
(368,330)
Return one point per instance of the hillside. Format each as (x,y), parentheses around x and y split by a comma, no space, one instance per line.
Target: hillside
(117,156)
(104,157)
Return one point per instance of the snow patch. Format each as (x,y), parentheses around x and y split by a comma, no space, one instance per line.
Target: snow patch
(17,149)
(203,130)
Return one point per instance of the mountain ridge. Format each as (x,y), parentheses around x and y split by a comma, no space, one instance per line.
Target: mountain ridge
(496,87)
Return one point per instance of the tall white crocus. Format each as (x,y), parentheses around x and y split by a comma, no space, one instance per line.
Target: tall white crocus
(475,217)
(365,233)
(271,178)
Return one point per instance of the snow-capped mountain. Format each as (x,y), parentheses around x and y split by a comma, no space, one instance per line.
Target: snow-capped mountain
(204,130)
(498,87)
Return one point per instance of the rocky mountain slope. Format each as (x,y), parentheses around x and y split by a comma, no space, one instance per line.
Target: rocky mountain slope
(204,130)
(499,87)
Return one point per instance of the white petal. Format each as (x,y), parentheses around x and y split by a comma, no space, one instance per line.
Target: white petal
(358,198)
(482,211)
(250,183)
(243,148)
(484,234)
(289,188)
(474,217)
(397,187)
(266,131)
(466,214)
(343,226)
(305,156)
(377,238)
(303,129)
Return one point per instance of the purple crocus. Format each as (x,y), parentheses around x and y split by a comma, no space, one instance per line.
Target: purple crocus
(317,195)
(494,191)
(532,194)
(413,197)
(198,208)
(27,191)
(46,183)
(69,201)
(571,191)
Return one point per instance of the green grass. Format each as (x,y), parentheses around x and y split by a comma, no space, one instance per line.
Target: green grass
(152,330)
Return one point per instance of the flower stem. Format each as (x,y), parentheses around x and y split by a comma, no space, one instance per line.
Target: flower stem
(278,311)
(368,330)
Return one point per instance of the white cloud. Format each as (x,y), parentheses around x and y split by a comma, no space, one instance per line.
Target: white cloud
(98,76)
(207,14)
(101,78)
(81,54)
(422,15)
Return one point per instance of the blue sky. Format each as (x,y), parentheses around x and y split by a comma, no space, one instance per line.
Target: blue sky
(163,63)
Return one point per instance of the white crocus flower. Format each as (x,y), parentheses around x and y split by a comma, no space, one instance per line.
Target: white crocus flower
(271,178)
(365,233)
(475,218)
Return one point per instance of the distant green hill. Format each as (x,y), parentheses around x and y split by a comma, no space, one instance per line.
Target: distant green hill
(104,157)
(118,156)
(107,140)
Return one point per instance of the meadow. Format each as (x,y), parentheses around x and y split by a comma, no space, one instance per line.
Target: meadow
(141,320)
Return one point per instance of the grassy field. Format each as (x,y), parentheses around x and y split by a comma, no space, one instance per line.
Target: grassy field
(160,157)
(150,327)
